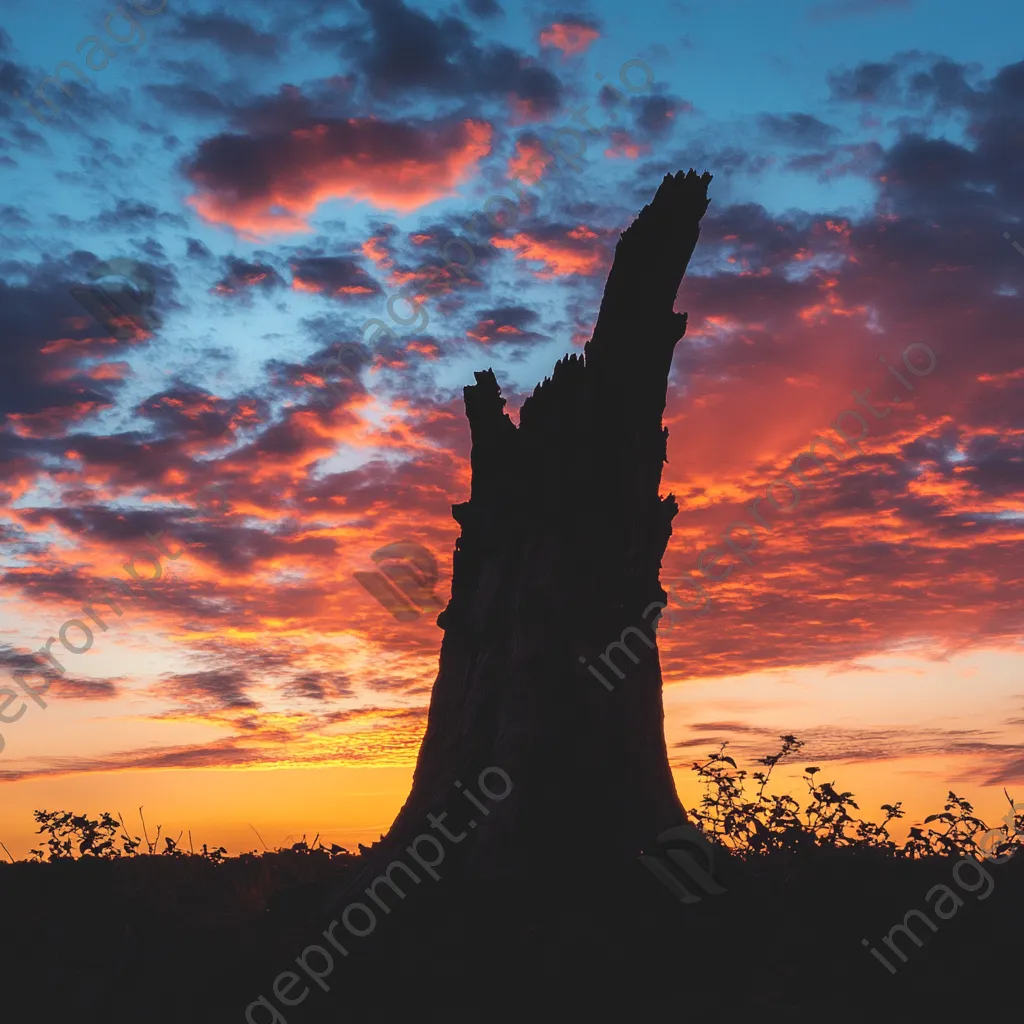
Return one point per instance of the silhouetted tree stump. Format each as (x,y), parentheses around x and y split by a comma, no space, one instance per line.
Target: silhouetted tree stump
(558,565)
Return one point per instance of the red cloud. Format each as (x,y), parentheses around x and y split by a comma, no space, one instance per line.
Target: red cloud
(332,275)
(375,249)
(578,251)
(623,145)
(486,330)
(530,159)
(569,36)
(523,111)
(273,183)
(425,348)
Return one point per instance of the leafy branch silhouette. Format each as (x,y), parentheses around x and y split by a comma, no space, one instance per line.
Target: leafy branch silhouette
(74,836)
(776,822)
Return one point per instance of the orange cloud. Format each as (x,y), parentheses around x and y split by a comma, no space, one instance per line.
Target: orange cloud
(425,348)
(100,371)
(622,145)
(487,330)
(578,252)
(832,304)
(329,288)
(250,279)
(1001,380)
(523,111)
(374,249)
(569,37)
(52,422)
(312,286)
(391,165)
(532,157)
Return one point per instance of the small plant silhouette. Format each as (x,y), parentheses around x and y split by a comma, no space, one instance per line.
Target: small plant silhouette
(73,836)
(69,831)
(77,835)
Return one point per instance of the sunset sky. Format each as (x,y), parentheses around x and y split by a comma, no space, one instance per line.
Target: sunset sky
(284,169)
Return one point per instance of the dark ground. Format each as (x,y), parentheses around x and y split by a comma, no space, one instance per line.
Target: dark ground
(179,939)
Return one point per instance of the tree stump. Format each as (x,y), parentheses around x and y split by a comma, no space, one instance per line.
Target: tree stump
(549,666)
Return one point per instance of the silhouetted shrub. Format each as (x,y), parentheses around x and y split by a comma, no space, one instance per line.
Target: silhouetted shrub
(769,822)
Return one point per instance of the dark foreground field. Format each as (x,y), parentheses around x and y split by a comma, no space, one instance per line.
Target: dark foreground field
(188,938)
(161,939)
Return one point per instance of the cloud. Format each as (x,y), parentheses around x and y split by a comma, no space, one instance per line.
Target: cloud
(14,78)
(66,687)
(860,159)
(69,688)
(377,737)
(130,215)
(484,8)
(336,276)
(191,414)
(561,250)
(271,183)
(212,755)
(835,745)
(530,159)
(47,364)
(797,129)
(504,323)
(621,145)
(187,98)
(232,35)
(319,686)
(570,35)
(211,689)
(13,219)
(401,50)
(869,82)
(197,250)
(242,277)
(656,114)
